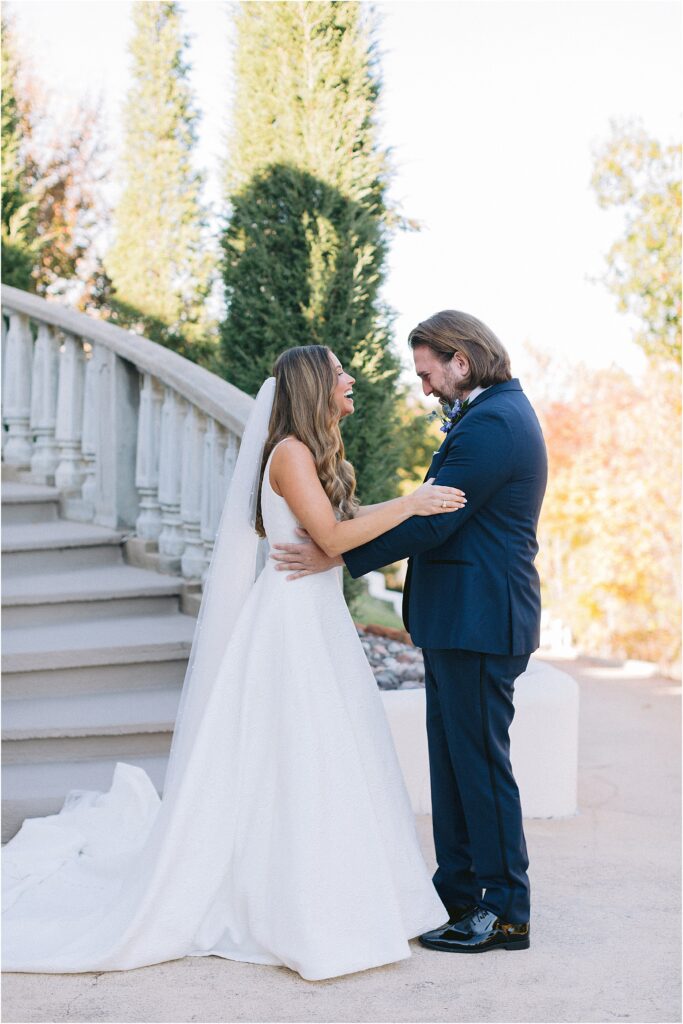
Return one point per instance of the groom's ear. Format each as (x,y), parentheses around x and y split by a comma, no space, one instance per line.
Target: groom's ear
(460,360)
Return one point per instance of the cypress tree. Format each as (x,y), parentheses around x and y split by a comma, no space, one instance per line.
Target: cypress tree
(306,241)
(160,264)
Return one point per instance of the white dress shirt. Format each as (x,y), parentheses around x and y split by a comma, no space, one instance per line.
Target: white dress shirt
(476,391)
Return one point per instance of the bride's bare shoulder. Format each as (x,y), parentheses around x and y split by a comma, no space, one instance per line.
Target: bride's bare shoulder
(292,460)
(291,449)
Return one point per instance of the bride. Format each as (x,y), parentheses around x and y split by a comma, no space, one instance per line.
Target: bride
(284,834)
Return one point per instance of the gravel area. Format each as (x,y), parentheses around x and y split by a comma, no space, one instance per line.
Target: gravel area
(397,665)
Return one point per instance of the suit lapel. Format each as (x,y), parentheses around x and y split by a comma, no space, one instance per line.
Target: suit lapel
(437,459)
(495,389)
(406,596)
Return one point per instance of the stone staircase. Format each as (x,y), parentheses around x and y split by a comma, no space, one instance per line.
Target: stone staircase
(94,652)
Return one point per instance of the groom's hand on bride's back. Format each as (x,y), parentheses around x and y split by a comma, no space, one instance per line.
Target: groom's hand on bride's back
(303,559)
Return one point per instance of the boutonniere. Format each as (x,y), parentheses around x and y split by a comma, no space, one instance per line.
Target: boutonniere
(450,414)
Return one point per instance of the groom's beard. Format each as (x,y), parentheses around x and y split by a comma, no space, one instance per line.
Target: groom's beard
(454,391)
(454,388)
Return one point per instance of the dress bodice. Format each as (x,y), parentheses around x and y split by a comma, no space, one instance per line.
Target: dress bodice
(279,521)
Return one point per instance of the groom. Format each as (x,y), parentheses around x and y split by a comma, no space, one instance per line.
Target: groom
(472,603)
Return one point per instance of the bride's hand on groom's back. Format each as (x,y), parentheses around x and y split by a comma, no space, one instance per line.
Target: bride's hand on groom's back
(431,499)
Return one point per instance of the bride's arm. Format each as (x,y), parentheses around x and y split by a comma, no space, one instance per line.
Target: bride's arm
(364,509)
(294,474)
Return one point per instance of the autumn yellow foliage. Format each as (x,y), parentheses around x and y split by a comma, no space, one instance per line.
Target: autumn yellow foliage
(610,544)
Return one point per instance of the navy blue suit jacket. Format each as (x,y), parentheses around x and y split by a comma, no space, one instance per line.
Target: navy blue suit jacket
(471,582)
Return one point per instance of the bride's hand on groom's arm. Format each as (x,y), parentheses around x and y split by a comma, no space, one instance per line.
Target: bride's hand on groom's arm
(430,499)
(303,559)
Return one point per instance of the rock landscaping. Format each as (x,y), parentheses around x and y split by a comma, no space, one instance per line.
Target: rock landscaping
(396,663)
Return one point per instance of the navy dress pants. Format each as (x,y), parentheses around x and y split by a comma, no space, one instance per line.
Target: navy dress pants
(477,816)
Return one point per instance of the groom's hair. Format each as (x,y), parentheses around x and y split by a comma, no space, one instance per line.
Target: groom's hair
(450,331)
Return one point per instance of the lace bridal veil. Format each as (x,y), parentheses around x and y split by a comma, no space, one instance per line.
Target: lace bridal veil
(121,879)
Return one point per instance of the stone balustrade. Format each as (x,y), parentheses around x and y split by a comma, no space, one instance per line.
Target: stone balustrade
(135,436)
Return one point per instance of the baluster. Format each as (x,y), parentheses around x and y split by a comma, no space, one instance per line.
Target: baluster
(69,419)
(194,426)
(171,542)
(16,397)
(212,477)
(89,434)
(232,448)
(148,524)
(118,398)
(211,456)
(223,458)
(45,456)
(3,321)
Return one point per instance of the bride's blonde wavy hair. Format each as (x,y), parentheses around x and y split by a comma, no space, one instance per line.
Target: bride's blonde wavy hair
(304,407)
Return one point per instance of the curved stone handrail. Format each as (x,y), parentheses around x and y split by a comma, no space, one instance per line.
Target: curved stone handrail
(134,435)
(216,397)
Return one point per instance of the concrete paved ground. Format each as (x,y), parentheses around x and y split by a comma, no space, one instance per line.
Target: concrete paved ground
(605,930)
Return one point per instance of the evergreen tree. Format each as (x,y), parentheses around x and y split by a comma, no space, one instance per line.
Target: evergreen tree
(306,242)
(160,262)
(19,248)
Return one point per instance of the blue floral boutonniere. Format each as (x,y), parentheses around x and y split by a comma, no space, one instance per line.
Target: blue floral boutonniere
(450,414)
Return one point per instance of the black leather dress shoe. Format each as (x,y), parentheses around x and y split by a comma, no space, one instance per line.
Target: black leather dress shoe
(455,912)
(476,932)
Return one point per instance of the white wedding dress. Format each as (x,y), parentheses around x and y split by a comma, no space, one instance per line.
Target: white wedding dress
(289,839)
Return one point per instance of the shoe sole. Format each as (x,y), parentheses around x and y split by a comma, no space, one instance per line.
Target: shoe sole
(521,944)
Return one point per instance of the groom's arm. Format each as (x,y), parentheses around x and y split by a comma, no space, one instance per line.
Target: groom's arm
(478,462)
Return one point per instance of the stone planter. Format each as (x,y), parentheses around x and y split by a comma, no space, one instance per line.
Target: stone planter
(544,741)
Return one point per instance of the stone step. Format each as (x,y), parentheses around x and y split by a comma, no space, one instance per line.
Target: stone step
(86,679)
(29,503)
(95,714)
(47,749)
(31,791)
(128,640)
(94,655)
(58,546)
(91,592)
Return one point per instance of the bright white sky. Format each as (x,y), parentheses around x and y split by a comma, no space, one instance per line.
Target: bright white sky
(491,108)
